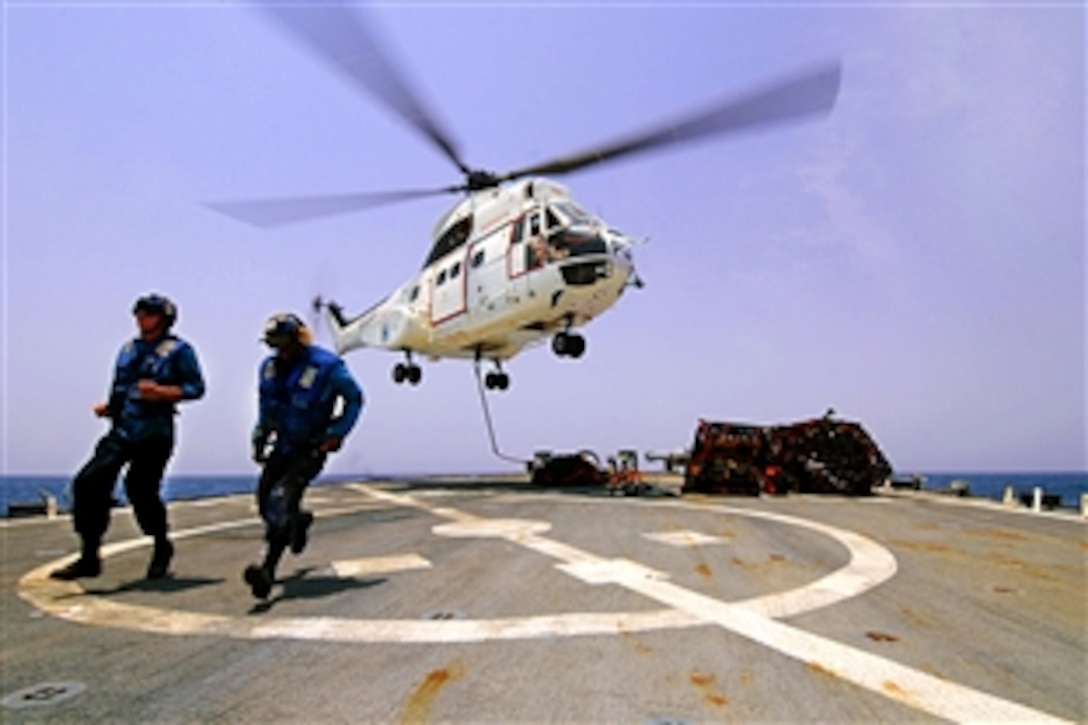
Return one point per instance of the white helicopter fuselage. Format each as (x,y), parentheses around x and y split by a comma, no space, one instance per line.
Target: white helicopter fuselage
(509,267)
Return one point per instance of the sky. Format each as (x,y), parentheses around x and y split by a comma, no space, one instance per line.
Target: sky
(915,260)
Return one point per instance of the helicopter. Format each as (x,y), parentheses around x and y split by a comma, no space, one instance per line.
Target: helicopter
(517,260)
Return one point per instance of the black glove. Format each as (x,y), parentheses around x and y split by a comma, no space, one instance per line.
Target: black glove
(260,447)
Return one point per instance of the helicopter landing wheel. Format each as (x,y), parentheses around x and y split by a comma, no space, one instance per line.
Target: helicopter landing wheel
(568,344)
(577,346)
(497,381)
(407,372)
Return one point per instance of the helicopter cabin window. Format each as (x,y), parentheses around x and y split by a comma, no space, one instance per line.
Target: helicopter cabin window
(478,258)
(441,280)
(534,224)
(414,294)
(455,270)
(515,232)
(451,239)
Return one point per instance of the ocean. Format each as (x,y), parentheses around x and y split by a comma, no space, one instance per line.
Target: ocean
(28,489)
(1069,486)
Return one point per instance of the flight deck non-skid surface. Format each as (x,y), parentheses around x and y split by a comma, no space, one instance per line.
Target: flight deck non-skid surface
(453,600)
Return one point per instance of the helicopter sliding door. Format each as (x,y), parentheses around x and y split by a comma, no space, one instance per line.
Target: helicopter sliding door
(519,258)
(487,283)
(448,289)
(515,259)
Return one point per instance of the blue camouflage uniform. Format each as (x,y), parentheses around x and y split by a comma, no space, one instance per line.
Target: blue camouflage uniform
(167,361)
(297,411)
(141,435)
(297,405)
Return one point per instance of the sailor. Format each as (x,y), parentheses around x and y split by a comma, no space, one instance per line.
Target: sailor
(301,386)
(154,372)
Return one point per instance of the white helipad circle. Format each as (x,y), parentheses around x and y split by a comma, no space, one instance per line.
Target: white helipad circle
(869,565)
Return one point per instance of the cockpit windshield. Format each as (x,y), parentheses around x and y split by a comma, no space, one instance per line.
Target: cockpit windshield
(573,213)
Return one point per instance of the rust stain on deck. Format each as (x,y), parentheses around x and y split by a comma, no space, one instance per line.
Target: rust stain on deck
(708,686)
(421,701)
(895,691)
(821,669)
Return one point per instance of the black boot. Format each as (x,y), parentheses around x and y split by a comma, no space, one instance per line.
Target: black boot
(78,569)
(259,580)
(89,564)
(159,565)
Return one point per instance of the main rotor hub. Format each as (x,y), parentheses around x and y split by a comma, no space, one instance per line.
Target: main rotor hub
(478,179)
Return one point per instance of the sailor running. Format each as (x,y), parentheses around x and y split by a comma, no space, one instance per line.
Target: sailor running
(298,425)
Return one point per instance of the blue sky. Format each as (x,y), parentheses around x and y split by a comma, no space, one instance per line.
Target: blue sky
(915,261)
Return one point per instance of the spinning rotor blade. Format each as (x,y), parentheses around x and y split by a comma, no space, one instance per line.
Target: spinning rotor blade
(811,93)
(342,40)
(268,213)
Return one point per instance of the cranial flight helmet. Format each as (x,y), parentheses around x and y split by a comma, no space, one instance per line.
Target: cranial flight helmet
(157,304)
(285,328)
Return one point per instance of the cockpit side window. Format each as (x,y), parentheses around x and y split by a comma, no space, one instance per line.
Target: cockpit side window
(536,249)
(551,219)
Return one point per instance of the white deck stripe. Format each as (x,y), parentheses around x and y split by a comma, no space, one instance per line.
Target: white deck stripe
(379,565)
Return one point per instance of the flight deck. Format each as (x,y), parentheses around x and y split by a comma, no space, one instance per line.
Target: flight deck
(462,600)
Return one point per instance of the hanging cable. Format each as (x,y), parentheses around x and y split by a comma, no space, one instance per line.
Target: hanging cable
(487,420)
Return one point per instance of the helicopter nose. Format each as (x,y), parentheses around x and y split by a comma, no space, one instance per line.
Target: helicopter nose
(622,254)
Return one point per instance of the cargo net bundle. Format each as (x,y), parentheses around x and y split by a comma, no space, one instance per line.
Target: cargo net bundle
(814,456)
